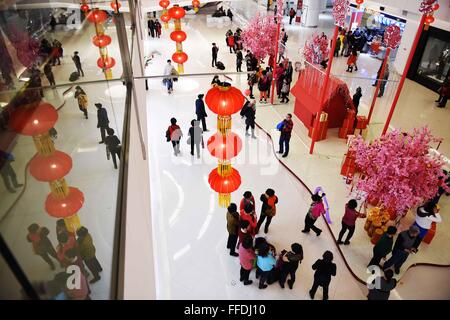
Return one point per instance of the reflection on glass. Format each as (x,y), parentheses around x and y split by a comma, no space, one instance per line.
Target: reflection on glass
(435,62)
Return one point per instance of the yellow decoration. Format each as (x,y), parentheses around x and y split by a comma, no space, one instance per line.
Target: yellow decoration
(72,223)
(224,199)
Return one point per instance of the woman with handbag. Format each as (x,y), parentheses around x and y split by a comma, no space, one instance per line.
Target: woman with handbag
(195,137)
(288,265)
(315,211)
(268,209)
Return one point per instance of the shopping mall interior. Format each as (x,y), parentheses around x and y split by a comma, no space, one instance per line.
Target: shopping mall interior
(103,197)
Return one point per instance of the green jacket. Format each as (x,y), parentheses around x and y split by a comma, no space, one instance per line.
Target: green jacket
(384,245)
(233,222)
(86,247)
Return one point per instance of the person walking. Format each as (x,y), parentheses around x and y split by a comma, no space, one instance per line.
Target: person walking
(230,43)
(351,61)
(324,270)
(384,81)
(315,211)
(263,87)
(252,80)
(405,244)
(200,111)
(102,121)
(195,137)
(292,14)
(268,209)
(77,61)
(280,74)
(289,264)
(52,23)
(7,172)
(239,59)
(42,246)
(174,135)
(158,28)
(247,257)
(57,52)
(249,112)
(49,74)
(233,228)
(383,246)
(285,89)
(338,47)
(151,28)
(169,72)
(356,99)
(87,252)
(349,221)
(425,216)
(82,99)
(382,286)
(265,261)
(113,146)
(444,93)
(285,127)
(214,52)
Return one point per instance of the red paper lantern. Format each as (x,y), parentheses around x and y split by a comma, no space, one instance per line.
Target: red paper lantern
(178,36)
(436,7)
(358,2)
(33,121)
(97,16)
(115,5)
(106,63)
(164,3)
(224,100)
(165,18)
(50,168)
(195,3)
(66,207)
(180,57)
(177,12)
(101,40)
(224,147)
(429,19)
(84,7)
(227,184)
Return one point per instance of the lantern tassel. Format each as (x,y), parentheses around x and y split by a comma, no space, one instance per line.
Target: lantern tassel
(72,223)
(224,124)
(224,199)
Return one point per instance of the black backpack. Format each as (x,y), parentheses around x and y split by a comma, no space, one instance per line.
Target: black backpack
(220,65)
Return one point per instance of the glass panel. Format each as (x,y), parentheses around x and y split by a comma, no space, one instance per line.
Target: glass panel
(10,288)
(435,62)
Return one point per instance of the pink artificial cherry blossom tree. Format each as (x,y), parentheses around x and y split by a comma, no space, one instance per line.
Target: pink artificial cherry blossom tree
(398,168)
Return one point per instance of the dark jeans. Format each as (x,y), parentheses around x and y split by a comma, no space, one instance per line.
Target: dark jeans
(285,97)
(398,258)
(283,276)
(336,53)
(152,32)
(176,146)
(309,224)
(79,70)
(443,102)
(238,67)
(251,92)
(203,122)
(214,61)
(46,257)
(264,275)
(284,144)
(51,79)
(290,19)
(84,111)
(94,266)
(376,259)
(169,84)
(245,274)
(382,87)
(113,156)
(197,145)
(351,230)
(262,217)
(232,241)
(324,286)
(103,132)
(250,125)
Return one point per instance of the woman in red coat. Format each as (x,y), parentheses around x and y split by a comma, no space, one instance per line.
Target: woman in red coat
(231,43)
(351,61)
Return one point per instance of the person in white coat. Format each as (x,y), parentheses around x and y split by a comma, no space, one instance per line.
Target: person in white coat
(425,216)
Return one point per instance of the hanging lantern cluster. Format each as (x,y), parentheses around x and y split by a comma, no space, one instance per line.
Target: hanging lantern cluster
(224,100)
(84,6)
(165,18)
(49,165)
(196,5)
(180,57)
(428,7)
(101,40)
(115,5)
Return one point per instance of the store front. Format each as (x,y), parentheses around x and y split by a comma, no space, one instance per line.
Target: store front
(431,62)
(369,24)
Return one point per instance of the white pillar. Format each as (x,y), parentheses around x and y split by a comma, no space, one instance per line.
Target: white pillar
(310,13)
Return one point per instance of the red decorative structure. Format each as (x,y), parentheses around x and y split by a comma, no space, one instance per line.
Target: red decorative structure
(308,104)
(177,13)
(49,165)
(165,18)
(196,5)
(224,100)
(101,40)
(115,5)
(84,7)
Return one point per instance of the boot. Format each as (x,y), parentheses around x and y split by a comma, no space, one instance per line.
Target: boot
(253,134)
(356,67)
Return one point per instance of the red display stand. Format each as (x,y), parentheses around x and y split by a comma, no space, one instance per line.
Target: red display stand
(430,234)
(307,97)
(361,122)
(323,127)
(347,125)
(348,167)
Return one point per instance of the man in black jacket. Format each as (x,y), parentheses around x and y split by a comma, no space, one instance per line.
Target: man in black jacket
(113,146)
(214,51)
(406,243)
(102,121)
(200,111)
(76,59)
